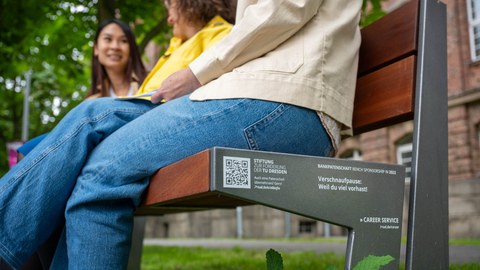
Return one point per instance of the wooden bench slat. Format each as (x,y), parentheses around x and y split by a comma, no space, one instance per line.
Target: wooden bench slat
(184,178)
(389,39)
(385,96)
(184,186)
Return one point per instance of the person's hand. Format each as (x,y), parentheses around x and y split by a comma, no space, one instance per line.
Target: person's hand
(178,84)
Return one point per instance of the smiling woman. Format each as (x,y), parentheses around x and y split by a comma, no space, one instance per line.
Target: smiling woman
(117,68)
(112,50)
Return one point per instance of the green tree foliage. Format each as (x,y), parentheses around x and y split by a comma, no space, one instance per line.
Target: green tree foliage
(53,40)
(371,11)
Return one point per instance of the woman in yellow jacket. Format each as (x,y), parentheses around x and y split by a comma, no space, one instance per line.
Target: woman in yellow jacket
(181,53)
(284,72)
(191,36)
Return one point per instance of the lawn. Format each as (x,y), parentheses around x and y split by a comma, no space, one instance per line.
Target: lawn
(198,258)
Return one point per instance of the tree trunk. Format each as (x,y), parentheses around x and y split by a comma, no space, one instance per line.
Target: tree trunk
(106,9)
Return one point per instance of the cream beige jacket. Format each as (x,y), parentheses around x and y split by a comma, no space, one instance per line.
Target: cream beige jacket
(301,52)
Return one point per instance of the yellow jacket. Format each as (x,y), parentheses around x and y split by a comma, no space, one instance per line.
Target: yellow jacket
(179,55)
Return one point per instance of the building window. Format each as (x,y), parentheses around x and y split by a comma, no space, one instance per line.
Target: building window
(404,157)
(478,136)
(166,230)
(307,227)
(477,161)
(473,9)
(353,154)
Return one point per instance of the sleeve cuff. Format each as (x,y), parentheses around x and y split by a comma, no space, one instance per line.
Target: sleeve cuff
(206,67)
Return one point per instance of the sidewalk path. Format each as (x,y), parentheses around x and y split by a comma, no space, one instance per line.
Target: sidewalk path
(458,254)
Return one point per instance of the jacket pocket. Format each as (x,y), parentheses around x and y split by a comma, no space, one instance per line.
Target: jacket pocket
(288,57)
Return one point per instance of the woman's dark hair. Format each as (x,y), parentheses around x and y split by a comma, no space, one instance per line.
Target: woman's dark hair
(134,67)
(202,11)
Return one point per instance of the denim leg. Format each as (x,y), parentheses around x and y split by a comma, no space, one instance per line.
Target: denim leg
(34,193)
(100,210)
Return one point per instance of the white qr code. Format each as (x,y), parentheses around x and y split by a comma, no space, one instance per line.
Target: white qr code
(236,172)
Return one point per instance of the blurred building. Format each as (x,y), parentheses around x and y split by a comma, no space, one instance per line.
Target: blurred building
(391,145)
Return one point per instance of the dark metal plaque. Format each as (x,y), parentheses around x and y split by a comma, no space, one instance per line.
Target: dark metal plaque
(365,197)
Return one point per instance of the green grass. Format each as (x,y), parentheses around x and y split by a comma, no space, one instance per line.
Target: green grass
(333,239)
(183,258)
(453,241)
(464,242)
(198,258)
(466,266)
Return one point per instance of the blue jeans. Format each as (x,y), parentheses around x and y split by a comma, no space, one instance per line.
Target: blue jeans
(92,169)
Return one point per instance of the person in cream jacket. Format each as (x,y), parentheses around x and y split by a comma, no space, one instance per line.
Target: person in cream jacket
(300,52)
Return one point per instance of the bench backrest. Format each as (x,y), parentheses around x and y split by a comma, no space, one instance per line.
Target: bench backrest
(386,86)
(403,76)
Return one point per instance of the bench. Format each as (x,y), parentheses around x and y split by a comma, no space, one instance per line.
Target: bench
(402,76)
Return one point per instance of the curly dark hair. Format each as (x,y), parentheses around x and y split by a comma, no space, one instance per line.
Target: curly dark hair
(202,11)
